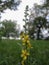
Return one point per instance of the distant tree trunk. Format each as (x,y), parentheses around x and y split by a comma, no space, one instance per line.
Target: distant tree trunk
(38,33)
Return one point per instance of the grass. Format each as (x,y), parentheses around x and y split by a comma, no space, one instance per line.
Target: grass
(10,51)
(40,52)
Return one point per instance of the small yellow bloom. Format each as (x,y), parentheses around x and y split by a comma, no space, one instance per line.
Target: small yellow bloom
(23,40)
(25,57)
(26,37)
(24,54)
(28,41)
(29,45)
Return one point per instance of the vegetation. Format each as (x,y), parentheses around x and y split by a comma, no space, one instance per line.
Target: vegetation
(7,4)
(38,23)
(9,27)
(38,20)
(26,46)
(26,18)
(25,51)
(10,52)
(11,4)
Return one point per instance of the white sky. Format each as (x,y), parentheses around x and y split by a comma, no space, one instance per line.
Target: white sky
(18,15)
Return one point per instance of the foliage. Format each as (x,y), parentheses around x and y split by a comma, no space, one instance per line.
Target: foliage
(26,18)
(10,51)
(37,20)
(1,31)
(46,3)
(9,27)
(11,4)
(38,23)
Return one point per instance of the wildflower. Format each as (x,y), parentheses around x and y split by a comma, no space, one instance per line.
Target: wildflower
(23,40)
(26,37)
(29,44)
(24,54)
(28,41)
(26,46)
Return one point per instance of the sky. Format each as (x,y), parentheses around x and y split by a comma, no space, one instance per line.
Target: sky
(18,15)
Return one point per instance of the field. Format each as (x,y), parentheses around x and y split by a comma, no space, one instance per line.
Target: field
(10,52)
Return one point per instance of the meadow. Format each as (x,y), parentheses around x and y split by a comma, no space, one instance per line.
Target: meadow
(10,52)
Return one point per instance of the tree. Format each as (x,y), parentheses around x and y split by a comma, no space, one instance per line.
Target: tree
(10,27)
(39,22)
(1,30)
(4,4)
(30,29)
(11,4)
(37,19)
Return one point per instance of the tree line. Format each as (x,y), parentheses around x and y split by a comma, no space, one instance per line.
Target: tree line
(37,21)
(34,22)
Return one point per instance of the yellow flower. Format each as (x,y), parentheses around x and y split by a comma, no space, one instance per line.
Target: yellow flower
(28,41)
(23,40)
(29,45)
(26,37)
(24,54)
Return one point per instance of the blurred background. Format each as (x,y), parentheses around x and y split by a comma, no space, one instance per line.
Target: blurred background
(28,16)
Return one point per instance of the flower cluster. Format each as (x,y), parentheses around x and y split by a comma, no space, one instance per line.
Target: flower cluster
(26,46)
(24,55)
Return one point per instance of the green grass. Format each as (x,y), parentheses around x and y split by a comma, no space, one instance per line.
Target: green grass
(40,52)
(10,51)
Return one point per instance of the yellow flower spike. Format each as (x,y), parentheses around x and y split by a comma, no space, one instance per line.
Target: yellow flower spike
(26,46)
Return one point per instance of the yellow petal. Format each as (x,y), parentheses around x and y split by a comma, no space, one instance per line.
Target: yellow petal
(25,57)
(22,51)
(28,41)
(27,37)
(22,55)
(23,40)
